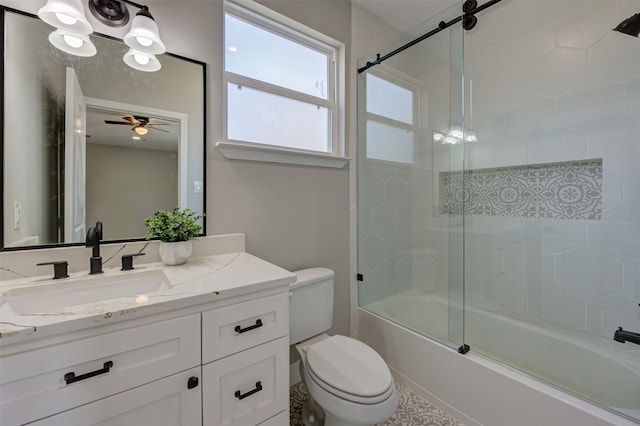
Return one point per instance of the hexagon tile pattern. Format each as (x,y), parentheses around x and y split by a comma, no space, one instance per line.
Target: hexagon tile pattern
(567,190)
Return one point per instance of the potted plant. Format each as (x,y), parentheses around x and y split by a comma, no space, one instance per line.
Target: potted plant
(176,230)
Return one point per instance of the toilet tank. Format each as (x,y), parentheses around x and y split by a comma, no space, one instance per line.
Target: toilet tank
(310,303)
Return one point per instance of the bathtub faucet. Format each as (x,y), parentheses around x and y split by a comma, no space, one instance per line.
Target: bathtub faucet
(626,336)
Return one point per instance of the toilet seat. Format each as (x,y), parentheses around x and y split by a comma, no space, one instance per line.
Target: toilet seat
(349,369)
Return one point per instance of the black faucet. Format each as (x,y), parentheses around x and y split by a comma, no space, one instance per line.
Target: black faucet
(94,235)
(626,336)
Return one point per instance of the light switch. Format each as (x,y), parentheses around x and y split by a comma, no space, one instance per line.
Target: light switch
(197,187)
(17,215)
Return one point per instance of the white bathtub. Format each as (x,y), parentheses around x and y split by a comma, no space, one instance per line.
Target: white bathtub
(604,376)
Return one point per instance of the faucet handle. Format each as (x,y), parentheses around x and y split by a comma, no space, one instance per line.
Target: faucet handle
(60,268)
(127,261)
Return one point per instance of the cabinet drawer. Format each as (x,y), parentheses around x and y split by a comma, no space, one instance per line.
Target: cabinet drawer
(165,402)
(49,380)
(234,328)
(247,388)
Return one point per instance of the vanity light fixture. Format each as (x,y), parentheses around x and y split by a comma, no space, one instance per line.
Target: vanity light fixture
(73,28)
(66,15)
(141,61)
(144,35)
(72,43)
(456,135)
(69,18)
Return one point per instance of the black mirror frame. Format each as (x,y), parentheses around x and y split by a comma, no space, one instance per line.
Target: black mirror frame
(3,11)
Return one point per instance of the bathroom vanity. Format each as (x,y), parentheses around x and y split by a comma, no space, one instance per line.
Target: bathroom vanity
(205,343)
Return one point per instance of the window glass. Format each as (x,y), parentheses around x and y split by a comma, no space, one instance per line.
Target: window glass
(389,100)
(263,55)
(391,126)
(390,143)
(257,116)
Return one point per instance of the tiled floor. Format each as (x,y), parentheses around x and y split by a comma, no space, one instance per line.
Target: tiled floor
(412,410)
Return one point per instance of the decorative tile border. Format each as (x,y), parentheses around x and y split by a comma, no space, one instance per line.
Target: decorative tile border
(568,190)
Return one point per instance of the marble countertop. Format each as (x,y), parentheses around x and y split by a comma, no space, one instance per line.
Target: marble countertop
(201,280)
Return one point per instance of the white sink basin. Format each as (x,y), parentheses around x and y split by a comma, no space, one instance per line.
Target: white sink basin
(68,295)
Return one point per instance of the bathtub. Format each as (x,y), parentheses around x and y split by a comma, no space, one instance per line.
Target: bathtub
(480,390)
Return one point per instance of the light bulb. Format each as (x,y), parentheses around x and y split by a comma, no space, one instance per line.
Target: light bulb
(471,137)
(72,41)
(451,140)
(141,130)
(141,59)
(456,132)
(66,19)
(144,41)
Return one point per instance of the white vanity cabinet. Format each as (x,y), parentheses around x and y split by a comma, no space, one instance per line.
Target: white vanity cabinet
(245,357)
(214,363)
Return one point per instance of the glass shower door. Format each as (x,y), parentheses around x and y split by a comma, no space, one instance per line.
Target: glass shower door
(552,225)
(409,248)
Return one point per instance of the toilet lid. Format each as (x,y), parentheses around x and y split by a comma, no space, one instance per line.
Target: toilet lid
(350,366)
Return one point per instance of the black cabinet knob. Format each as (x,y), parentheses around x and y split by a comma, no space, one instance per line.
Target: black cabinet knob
(192,382)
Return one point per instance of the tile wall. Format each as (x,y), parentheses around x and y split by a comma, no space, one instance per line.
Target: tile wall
(564,89)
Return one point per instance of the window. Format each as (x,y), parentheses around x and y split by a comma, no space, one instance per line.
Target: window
(391,118)
(281,83)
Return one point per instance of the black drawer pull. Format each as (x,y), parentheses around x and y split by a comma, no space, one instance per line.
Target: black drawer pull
(239,329)
(241,396)
(72,378)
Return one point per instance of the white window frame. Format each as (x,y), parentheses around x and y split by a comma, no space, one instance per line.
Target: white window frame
(269,20)
(411,84)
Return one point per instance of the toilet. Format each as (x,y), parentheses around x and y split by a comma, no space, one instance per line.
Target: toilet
(348,382)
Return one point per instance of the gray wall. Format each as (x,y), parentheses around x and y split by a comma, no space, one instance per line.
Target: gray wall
(293,216)
(122,197)
(31,153)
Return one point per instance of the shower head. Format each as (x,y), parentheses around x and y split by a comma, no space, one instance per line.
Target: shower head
(630,26)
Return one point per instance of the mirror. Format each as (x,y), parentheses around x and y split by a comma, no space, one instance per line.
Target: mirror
(88,139)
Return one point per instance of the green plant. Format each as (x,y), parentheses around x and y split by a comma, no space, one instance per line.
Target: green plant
(175,225)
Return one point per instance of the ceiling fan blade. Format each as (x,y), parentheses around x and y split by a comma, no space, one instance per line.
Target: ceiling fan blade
(160,130)
(138,119)
(117,122)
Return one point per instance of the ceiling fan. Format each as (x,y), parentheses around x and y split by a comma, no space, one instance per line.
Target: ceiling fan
(138,123)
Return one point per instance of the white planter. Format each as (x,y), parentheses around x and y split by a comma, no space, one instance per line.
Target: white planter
(175,253)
